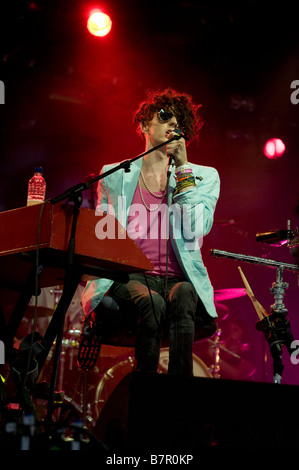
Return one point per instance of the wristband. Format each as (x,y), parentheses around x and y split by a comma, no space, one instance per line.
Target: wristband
(184,172)
(182,167)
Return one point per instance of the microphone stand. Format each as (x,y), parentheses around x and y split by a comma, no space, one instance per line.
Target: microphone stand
(73,276)
(276,327)
(125,165)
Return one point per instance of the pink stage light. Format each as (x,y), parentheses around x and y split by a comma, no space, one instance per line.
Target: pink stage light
(99,24)
(274,148)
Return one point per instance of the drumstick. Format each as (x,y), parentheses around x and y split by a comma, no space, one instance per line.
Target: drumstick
(258,307)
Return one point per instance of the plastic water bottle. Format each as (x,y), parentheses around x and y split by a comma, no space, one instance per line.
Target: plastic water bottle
(36,187)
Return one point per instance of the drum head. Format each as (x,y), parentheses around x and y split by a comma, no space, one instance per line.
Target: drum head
(112,405)
(199,367)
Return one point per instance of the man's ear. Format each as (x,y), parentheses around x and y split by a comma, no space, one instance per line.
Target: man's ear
(144,128)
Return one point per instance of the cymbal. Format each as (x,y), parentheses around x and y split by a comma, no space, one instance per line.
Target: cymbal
(222,310)
(41,312)
(227,294)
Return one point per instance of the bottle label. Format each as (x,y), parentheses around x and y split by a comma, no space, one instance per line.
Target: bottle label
(36,190)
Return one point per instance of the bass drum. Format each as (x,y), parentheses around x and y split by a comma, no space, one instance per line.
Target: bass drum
(111,403)
(199,367)
(109,382)
(113,376)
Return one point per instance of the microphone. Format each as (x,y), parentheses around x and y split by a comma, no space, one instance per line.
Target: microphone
(178,134)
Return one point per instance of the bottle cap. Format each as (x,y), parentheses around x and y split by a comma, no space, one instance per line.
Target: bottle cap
(38,169)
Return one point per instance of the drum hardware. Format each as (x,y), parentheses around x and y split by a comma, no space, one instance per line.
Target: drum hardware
(275,326)
(86,406)
(57,292)
(254,260)
(68,344)
(70,397)
(279,237)
(294,247)
(216,355)
(77,388)
(68,362)
(217,347)
(282,237)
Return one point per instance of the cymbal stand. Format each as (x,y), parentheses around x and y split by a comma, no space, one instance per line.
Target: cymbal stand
(86,408)
(217,347)
(216,355)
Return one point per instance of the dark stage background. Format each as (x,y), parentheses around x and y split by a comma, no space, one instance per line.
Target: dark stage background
(70,98)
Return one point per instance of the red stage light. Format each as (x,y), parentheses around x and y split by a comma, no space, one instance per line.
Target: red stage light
(274,148)
(98,23)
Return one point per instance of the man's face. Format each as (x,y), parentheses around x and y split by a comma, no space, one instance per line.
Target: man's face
(157,130)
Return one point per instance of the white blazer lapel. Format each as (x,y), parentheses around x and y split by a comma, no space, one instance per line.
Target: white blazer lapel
(130,181)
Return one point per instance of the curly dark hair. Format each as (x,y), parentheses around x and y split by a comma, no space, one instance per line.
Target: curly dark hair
(181,104)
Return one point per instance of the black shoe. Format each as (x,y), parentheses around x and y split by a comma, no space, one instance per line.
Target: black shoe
(96,328)
(90,345)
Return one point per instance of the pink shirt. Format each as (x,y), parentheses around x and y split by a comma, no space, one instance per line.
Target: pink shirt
(148,229)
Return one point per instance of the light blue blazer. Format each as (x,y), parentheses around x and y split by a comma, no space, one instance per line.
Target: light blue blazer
(191,217)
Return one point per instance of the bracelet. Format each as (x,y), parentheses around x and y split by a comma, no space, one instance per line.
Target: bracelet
(187,170)
(182,167)
(184,174)
(185,177)
(186,182)
(178,189)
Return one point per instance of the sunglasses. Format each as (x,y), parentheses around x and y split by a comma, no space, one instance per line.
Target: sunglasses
(164,116)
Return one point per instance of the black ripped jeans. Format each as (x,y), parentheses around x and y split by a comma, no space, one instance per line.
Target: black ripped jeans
(174,305)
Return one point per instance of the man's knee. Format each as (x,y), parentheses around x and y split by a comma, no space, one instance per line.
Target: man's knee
(184,293)
(152,311)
